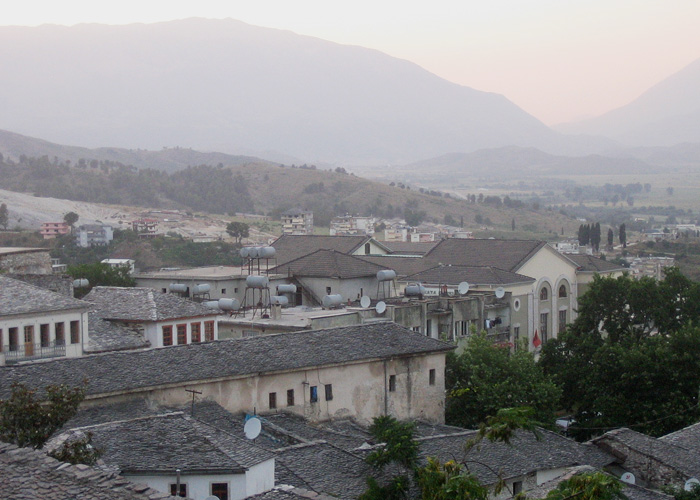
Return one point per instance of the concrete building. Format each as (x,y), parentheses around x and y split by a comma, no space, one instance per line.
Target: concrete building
(359,371)
(146,227)
(51,230)
(90,235)
(129,263)
(350,225)
(297,221)
(163,319)
(36,323)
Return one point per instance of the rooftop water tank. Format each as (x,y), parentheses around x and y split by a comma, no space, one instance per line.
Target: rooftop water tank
(279,300)
(414,290)
(286,289)
(266,252)
(203,288)
(257,282)
(386,275)
(332,301)
(178,287)
(229,304)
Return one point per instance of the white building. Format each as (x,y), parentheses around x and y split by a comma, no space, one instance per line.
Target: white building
(349,225)
(93,235)
(298,221)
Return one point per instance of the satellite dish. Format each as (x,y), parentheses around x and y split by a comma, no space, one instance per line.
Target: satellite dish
(691,483)
(365,301)
(381,307)
(252,428)
(500,292)
(628,478)
(463,288)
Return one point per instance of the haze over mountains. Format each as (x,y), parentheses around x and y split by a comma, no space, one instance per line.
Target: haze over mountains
(223,85)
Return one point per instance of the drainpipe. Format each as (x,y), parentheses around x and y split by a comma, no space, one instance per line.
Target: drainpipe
(386,393)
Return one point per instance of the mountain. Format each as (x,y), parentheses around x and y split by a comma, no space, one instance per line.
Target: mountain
(167,159)
(223,85)
(666,114)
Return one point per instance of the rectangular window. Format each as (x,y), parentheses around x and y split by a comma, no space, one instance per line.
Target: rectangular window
(164,290)
(60,329)
(290,397)
(220,490)
(183,490)
(313,394)
(544,320)
(328,290)
(329,392)
(392,383)
(272,397)
(44,335)
(428,327)
(196,332)
(517,487)
(235,290)
(562,321)
(181,334)
(416,329)
(1,340)
(431,376)
(13,339)
(168,335)
(223,291)
(75,332)
(208,331)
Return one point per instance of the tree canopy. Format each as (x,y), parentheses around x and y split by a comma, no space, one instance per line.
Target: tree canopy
(99,274)
(238,230)
(486,378)
(71,218)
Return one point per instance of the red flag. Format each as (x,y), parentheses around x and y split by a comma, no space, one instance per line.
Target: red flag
(536,340)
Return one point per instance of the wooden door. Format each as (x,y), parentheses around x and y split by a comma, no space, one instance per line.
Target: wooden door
(29,340)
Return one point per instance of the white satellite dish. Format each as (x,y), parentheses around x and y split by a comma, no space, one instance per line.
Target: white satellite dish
(463,288)
(381,307)
(691,483)
(252,428)
(365,301)
(500,292)
(628,478)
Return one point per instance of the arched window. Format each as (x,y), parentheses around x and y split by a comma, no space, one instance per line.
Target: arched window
(544,294)
(562,291)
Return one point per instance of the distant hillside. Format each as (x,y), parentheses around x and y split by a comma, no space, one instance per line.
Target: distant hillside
(223,85)
(666,114)
(169,160)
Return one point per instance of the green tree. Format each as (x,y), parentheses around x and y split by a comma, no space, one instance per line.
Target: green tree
(27,421)
(4,216)
(486,378)
(413,217)
(611,238)
(99,274)
(71,218)
(622,234)
(238,230)
(588,486)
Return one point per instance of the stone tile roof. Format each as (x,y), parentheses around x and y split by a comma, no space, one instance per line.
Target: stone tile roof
(162,443)
(59,283)
(402,265)
(410,248)
(328,264)
(290,247)
(508,255)
(453,275)
(665,451)
(28,474)
(18,297)
(688,438)
(142,304)
(107,336)
(590,264)
(176,365)
(286,492)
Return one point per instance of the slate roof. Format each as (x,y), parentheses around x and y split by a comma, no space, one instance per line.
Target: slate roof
(28,474)
(162,443)
(688,438)
(135,371)
(665,451)
(409,247)
(289,247)
(508,255)
(328,264)
(453,275)
(285,492)
(106,336)
(590,264)
(18,297)
(142,304)
(403,266)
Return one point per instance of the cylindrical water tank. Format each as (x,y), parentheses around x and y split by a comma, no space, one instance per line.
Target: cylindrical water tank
(245,252)
(279,300)
(203,288)
(178,287)
(286,289)
(386,275)
(414,290)
(332,300)
(266,252)
(81,283)
(213,304)
(257,282)
(254,252)
(229,304)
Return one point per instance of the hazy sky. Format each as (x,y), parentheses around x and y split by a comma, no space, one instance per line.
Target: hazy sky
(557,59)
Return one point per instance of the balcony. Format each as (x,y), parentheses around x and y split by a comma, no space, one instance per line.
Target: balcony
(28,352)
